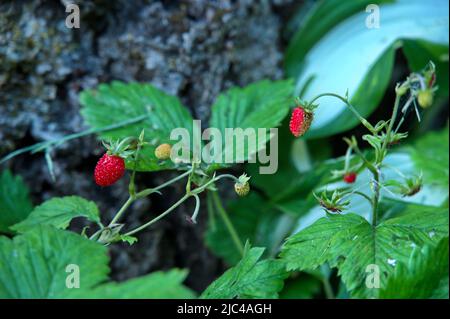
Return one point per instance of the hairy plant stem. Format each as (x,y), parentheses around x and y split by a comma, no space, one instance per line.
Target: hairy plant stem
(228,224)
(351,108)
(327,288)
(47,144)
(154,220)
(391,125)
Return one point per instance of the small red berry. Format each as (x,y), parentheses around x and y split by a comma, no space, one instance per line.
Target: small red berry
(350,178)
(109,169)
(432,80)
(300,121)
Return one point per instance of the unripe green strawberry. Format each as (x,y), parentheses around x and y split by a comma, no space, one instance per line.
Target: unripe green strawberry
(162,152)
(425,98)
(242,187)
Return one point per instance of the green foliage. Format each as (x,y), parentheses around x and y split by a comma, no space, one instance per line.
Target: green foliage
(33,265)
(350,243)
(159,285)
(302,287)
(263,104)
(15,204)
(334,39)
(118,101)
(255,221)
(430,156)
(58,212)
(320,19)
(250,278)
(259,105)
(425,275)
(419,52)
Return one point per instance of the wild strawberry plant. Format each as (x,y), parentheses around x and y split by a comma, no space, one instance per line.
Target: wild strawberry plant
(394,240)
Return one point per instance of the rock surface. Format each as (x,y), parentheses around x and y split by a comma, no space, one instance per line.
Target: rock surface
(193,49)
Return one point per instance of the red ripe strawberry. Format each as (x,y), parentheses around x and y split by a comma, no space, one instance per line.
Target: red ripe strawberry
(300,121)
(109,169)
(350,178)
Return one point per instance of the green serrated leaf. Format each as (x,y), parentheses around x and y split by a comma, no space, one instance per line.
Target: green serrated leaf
(250,278)
(425,275)
(58,212)
(351,244)
(15,203)
(159,285)
(262,104)
(129,239)
(34,265)
(116,102)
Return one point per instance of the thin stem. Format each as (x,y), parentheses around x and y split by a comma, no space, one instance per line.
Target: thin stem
(149,191)
(327,288)
(391,125)
(127,204)
(351,107)
(154,220)
(376,198)
(213,180)
(223,214)
(43,145)
(364,195)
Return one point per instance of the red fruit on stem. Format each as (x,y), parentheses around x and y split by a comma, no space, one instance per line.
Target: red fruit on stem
(350,178)
(432,80)
(300,121)
(109,169)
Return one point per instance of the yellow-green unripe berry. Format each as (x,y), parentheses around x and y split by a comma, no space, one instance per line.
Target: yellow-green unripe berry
(242,189)
(425,98)
(162,152)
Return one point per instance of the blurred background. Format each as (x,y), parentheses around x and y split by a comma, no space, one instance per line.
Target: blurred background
(195,50)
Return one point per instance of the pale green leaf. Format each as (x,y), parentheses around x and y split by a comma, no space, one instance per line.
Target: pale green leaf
(250,278)
(58,212)
(321,18)
(15,204)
